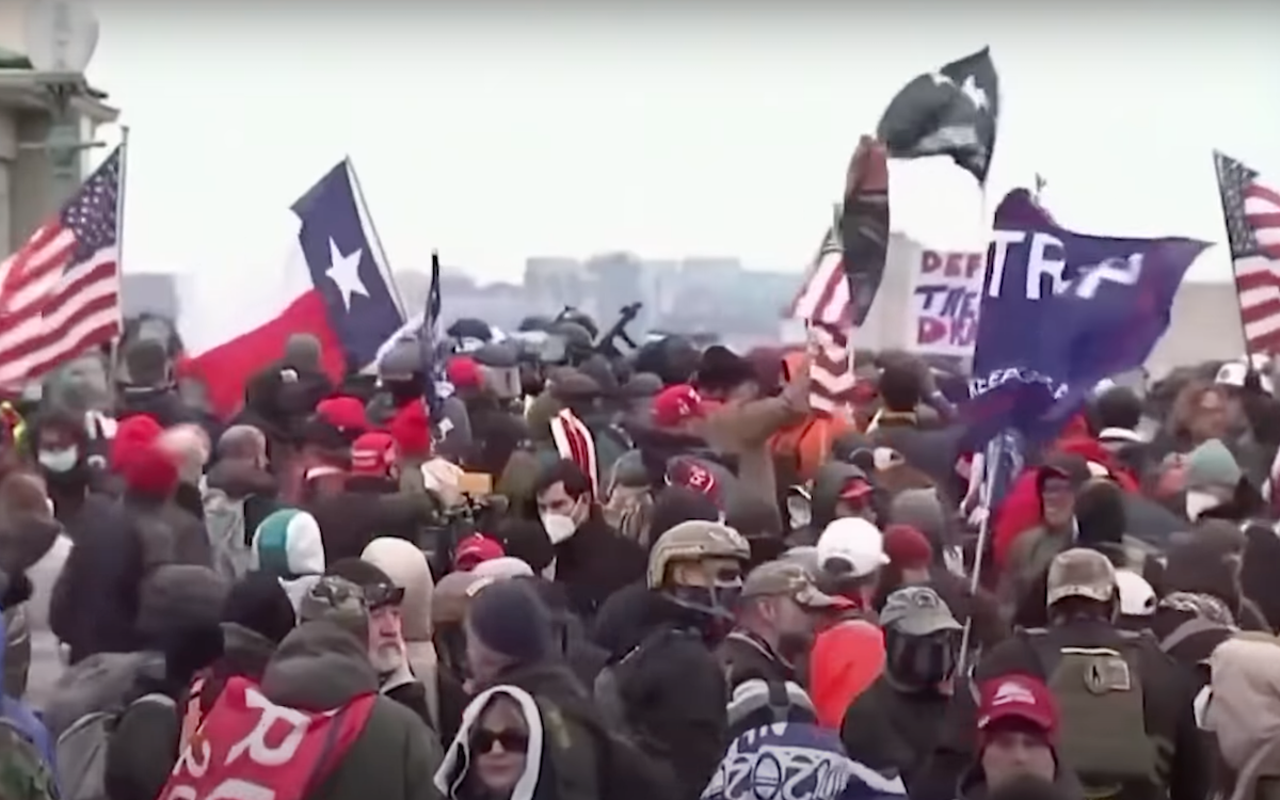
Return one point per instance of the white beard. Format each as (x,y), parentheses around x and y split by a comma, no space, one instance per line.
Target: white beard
(386,659)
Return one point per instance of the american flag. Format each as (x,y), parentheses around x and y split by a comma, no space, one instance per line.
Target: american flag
(60,293)
(824,303)
(1251,211)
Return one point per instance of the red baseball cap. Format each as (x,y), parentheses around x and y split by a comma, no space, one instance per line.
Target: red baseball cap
(463,372)
(344,413)
(856,489)
(474,550)
(1017,697)
(373,453)
(675,404)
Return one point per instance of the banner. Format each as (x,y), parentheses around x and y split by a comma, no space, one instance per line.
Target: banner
(1061,311)
(942,317)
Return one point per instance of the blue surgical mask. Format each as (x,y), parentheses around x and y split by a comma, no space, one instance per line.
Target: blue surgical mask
(59,460)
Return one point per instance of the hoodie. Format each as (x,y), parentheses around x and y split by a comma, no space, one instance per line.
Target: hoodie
(320,666)
(288,545)
(1244,713)
(545,776)
(407,568)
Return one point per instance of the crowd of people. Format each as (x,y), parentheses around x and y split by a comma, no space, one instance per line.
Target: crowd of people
(655,576)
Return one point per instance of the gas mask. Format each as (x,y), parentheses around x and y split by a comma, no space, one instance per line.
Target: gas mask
(715,606)
(920,663)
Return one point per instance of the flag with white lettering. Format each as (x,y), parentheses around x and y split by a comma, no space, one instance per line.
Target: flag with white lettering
(1060,312)
(247,746)
(951,112)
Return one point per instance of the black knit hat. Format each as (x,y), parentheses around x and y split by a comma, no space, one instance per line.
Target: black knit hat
(510,618)
(258,602)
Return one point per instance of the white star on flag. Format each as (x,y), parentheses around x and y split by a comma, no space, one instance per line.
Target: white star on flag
(974,92)
(344,271)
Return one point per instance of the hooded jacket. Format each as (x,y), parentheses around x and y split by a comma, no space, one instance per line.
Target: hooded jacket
(408,569)
(553,770)
(1244,714)
(288,545)
(320,666)
(825,495)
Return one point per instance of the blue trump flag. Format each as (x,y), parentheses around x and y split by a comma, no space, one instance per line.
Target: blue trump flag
(1061,311)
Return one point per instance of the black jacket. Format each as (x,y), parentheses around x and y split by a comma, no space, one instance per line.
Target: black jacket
(746,657)
(94,607)
(367,509)
(596,562)
(894,731)
(675,698)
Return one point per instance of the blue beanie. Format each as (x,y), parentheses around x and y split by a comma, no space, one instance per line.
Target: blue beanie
(509,618)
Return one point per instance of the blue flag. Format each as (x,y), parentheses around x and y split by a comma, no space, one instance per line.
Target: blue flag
(346,265)
(1061,311)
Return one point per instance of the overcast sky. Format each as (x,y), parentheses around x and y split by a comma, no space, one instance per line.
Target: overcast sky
(495,131)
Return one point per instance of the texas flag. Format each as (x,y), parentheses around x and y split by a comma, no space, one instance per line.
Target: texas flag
(333,284)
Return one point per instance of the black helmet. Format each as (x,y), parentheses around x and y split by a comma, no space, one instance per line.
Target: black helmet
(579,318)
(470,328)
(536,322)
(573,334)
(501,355)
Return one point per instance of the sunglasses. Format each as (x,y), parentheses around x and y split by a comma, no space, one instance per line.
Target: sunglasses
(511,741)
(381,595)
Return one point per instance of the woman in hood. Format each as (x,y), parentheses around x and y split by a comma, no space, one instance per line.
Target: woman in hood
(505,750)
(407,568)
(287,545)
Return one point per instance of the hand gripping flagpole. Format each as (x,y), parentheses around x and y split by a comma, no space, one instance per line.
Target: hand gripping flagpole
(993,461)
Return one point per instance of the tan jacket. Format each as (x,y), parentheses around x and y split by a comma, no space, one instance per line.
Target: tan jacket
(743,430)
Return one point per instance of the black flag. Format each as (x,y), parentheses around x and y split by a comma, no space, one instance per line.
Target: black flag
(951,112)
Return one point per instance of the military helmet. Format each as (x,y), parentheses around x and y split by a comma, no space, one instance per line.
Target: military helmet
(694,540)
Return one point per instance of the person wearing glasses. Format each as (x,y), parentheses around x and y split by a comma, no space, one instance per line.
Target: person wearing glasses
(498,752)
(388,652)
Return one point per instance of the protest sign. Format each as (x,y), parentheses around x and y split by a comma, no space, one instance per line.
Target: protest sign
(942,317)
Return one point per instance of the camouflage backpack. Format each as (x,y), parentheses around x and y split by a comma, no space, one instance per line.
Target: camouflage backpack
(24,773)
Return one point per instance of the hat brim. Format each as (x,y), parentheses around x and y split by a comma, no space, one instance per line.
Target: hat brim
(811,597)
(1103,594)
(925,623)
(1020,712)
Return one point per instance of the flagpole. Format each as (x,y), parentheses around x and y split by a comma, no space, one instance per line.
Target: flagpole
(375,240)
(121,188)
(1235,276)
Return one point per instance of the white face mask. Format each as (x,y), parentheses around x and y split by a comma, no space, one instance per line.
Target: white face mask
(58,460)
(559,527)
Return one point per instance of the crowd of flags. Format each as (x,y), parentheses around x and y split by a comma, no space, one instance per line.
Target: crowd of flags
(954,112)
(60,292)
